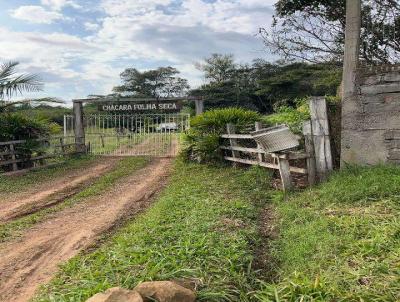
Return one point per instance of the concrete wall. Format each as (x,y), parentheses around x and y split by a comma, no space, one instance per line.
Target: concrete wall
(371,125)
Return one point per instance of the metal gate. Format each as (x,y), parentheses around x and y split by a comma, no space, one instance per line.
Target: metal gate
(129,135)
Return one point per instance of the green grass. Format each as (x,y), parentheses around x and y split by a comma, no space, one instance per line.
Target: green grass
(340,241)
(203,227)
(125,167)
(16,183)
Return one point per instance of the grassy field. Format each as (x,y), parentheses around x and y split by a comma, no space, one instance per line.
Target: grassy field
(13,184)
(136,143)
(340,241)
(203,227)
(124,168)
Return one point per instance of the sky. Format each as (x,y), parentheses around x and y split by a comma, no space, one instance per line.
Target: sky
(79,48)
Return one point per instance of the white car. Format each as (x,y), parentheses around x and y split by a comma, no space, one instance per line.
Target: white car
(167,127)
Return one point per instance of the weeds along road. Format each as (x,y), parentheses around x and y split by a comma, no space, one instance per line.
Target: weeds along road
(33,259)
(52,192)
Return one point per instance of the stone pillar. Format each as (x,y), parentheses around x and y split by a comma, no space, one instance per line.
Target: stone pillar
(79,127)
(350,99)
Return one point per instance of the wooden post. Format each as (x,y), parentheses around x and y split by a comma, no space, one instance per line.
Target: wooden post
(102,140)
(199,106)
(284,170)
(231,129)
(13,157)
(79,127)
(309,148)
(258,126)
(321,139)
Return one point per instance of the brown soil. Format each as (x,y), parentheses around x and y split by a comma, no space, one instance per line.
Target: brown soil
(264,263)
(33,259)
(52,192)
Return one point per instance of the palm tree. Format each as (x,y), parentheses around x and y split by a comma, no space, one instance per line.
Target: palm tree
(12,83)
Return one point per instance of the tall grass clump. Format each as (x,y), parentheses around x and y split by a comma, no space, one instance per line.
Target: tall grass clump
(203,140)
(340,241)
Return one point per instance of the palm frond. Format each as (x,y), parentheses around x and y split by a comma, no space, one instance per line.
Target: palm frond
(7,70)
(11,84)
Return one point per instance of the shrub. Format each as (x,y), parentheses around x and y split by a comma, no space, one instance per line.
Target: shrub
(203,140)
(293,117)
(14,126)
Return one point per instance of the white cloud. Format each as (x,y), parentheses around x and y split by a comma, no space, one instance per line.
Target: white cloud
(36,14)
(59,4)
(136,33)
(90,26)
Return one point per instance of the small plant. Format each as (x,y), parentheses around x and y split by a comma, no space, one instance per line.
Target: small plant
(293,117)
(203,140)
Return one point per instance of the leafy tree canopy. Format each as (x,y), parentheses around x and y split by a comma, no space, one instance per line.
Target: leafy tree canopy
(157,83)
(313,30)
(218,67)
(262,86)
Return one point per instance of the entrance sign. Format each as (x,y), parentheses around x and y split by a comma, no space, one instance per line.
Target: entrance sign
(134,107)
(131,126)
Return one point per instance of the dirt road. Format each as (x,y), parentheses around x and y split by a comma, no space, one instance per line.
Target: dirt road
(33,259)
(51,192)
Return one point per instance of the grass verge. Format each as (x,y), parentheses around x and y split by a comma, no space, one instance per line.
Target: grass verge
(16,183)
(203,227)
(125,167)
(340,241)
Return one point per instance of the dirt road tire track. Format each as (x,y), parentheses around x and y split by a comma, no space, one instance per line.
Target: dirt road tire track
(53,192)
(33,259)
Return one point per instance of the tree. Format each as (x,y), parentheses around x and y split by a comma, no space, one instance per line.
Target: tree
(313,30)
(298,80)
(218,67)
(261,85)
(157,83)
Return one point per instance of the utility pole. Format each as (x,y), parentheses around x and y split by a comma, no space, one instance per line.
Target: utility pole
(350,102)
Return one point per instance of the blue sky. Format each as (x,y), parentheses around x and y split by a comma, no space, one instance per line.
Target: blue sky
(80,47)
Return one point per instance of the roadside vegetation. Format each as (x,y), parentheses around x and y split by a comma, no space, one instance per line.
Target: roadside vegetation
(19,183)
(340,241)
(124,168)
(203,228)
(336,242)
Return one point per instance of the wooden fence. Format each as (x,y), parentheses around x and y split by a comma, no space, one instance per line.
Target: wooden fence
(316,155)
(19,154)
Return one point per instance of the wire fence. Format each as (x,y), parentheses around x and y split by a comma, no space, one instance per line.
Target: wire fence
(128,135)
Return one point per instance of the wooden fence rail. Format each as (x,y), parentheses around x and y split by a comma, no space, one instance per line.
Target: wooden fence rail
(258,157)
(11,155)
(316,155)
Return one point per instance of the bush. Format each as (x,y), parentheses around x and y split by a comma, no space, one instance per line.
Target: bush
(14,126)
(19,127)
(203,140)
(293,117)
